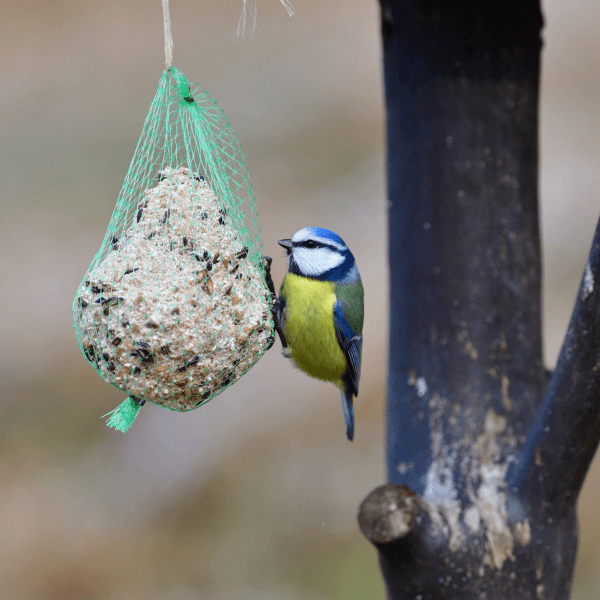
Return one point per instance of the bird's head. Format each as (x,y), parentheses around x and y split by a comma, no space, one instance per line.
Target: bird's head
(320,254)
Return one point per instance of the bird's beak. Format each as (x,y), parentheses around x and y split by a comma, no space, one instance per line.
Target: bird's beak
(287,244)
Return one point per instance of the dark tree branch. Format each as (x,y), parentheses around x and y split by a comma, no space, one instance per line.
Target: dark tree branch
(466,378)
(566,431)
(462,91)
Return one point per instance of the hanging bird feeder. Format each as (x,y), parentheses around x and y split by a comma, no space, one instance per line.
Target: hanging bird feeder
(174,307)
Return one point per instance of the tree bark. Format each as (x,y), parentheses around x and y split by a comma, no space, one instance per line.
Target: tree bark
(484,468)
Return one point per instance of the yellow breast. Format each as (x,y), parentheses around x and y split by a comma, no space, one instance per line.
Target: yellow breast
(309,328)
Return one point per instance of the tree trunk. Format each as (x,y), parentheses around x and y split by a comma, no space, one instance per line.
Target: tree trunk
(484,468)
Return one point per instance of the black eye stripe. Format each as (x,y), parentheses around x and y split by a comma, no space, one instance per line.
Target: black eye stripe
(314,244)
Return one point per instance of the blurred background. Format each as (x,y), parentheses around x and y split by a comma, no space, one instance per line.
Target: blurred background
(255,495)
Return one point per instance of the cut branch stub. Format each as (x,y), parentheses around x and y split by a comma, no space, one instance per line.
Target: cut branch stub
(428,551)
(388,513)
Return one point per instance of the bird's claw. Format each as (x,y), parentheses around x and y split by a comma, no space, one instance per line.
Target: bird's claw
(268,260)
(275,304)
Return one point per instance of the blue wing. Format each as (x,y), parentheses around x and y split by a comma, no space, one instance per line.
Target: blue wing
(351,344)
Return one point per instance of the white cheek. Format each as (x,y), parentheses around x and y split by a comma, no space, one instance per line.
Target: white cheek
(316,261)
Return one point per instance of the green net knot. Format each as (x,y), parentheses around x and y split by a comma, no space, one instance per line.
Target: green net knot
(122,417)
(183,84)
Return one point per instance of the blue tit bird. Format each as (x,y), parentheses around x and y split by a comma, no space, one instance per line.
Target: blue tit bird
(320,312)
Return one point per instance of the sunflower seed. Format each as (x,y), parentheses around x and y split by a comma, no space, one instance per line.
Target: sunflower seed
(242,253)
(227,380)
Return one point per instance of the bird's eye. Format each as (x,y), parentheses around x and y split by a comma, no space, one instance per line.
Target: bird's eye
(310,244)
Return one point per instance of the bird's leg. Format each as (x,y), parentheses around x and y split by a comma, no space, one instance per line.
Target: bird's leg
(275,304)
(268,261)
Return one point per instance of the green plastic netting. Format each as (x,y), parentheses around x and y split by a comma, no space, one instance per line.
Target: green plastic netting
(174,307)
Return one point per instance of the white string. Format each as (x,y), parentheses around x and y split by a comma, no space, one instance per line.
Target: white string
(168,36)
(251,7)
(242,21)
(288,6)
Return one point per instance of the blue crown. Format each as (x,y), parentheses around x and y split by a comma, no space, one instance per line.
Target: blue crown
(327,234)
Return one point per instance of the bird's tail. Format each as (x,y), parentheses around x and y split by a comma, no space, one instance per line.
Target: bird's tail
(348,412)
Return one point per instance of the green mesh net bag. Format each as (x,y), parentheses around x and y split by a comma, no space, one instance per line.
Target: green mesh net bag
(174,307)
